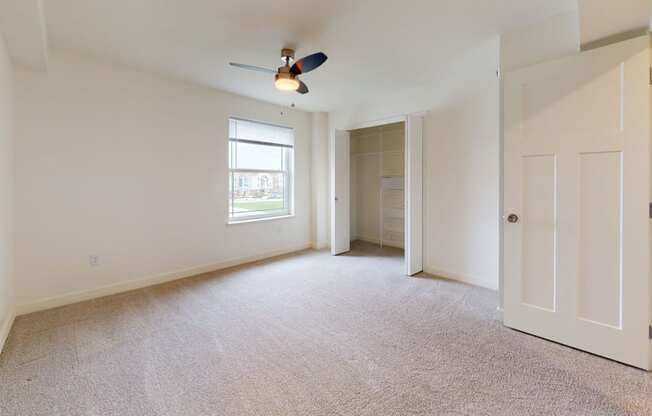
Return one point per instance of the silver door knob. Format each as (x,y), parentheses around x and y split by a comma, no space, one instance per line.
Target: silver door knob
(512,218)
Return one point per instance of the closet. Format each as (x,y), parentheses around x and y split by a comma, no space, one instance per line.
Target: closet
(378,185)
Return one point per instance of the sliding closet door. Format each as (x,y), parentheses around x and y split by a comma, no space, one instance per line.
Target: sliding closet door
(414,194)
(340,193)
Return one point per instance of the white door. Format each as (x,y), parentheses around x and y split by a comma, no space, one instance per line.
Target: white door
(340,189)
(414,195)
(577,187)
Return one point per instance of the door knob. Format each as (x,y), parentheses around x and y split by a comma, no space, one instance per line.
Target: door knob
(512,218)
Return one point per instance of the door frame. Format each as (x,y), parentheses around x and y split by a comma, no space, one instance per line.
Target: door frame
(413,184)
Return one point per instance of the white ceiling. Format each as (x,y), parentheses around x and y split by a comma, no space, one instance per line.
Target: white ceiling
(600,19)
(376,47)
(373,46)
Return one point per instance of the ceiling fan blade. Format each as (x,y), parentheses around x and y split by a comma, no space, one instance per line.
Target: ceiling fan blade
(252,68)
(308,63)
(303,88)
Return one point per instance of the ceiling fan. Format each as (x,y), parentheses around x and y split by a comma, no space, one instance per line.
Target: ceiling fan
(286,78)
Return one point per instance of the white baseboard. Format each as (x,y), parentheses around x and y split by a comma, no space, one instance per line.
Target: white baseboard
(74,297)
(393,244)
(6,328)
(319,246)
(471,280)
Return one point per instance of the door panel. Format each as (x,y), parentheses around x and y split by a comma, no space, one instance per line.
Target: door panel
(577,173)
(539,230)
(582,102)
(600,238)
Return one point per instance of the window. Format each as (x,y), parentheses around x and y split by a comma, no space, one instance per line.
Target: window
(261,159)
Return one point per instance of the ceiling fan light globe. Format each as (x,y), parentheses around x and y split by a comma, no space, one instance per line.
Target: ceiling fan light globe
(286,84)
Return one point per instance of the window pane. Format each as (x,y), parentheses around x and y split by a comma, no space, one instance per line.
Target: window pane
(258,193)
(259,157)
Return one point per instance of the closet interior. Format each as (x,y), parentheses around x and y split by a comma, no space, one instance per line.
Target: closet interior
(378,185)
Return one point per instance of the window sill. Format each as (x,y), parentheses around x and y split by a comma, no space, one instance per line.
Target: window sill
(280,217)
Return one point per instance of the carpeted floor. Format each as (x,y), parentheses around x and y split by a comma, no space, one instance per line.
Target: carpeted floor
(307,334)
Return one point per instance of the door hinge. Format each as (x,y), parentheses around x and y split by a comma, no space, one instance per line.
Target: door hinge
(650,331)
(650,209)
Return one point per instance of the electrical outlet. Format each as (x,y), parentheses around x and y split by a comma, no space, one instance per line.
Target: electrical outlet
(94,261)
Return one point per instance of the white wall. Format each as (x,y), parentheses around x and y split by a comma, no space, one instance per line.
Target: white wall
(461,187)
(549,39)
(6,192)
(133,168)
(320,181)
(24,29)
(461,162)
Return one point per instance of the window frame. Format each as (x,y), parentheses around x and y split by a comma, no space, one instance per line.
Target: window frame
(287,171)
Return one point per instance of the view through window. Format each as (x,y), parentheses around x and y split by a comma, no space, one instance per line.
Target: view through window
(261,157)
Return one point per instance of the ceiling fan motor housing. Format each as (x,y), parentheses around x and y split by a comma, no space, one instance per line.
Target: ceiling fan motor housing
(287,56)
(284,72)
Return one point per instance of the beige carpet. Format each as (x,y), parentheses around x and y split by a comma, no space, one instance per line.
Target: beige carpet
(303,335)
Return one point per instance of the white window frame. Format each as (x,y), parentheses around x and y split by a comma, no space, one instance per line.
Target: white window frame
(288,177)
